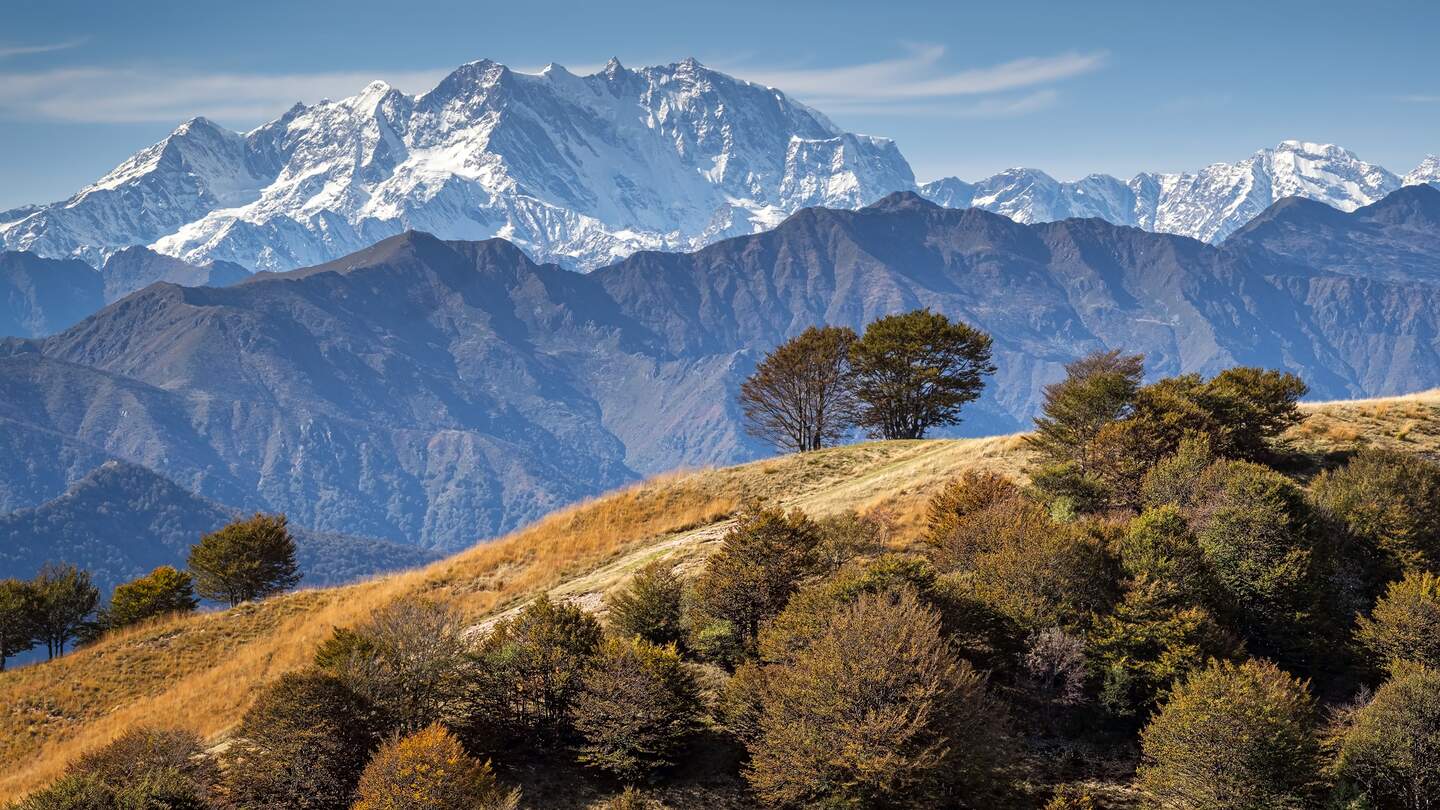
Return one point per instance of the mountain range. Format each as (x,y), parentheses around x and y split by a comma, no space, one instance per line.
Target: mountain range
(433,392)
(584,170)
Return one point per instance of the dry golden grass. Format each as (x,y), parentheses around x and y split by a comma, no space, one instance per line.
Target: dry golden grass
(202,671)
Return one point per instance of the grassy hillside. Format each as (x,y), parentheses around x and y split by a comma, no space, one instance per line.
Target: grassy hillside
(202,671)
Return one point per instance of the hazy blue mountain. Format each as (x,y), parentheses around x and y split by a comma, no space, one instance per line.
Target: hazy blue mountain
(434,392)
(120,521)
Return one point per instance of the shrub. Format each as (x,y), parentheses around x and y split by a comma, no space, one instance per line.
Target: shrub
(528,671)
(1175,479)
(135,753)
(152,790)
(1158,546)
(164,590)
(408,660)
(650,605)
(757,567)
(915,371)
(846,536)
(1233,737)
(245,560)
(637,710)
(1148,644)
(1405,624)
(430,769)
(1390,501)
(876,712)
(302,745)
(1390,750)
(1253,527)
(1057,577)
(961,498)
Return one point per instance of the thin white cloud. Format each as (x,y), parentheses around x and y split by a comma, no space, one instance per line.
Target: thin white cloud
(127,95)
(7,51)
(920,75)
(1006,107)
(1419,99)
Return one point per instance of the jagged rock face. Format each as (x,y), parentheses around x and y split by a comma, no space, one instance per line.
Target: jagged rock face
(1427,172)
(580,170)
(1207,205)
(121,521)
(437,392)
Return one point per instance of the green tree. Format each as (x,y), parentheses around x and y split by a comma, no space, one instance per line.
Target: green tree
(1255,406)
(1254,528)
(1389,749)
(19,618)
(1175,479)
(164,590)
(1405,624)
(66,598)
(756,569)
(649,606)
(1098,389)
(915,371)
(799,396)
(637,711)
(303,745)
(248,559)
(1233,737)
(877,712)
(429,770)
(528,671)
(1158,546)
(1391,502)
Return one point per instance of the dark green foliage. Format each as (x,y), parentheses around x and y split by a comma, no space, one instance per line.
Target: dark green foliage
(799,396)
(1159,547)
(65,598)
(246,560)
(1175,479)
(1147,644)
(1098,389)
(649,607)
(19,618)
(637,711)
(302,745)
(1254,406)
(1390,501)
(528,671)
(915,371)
(1233,737)
(162,591)
(1389,749)
(1404,627)
(875,712)
(757,567)
(344,645)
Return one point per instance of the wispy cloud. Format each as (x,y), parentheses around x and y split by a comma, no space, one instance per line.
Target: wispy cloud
(921,75)
(7,51)
(1003,107)
(127,95)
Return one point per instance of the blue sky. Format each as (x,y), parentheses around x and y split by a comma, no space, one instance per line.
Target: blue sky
(965,88)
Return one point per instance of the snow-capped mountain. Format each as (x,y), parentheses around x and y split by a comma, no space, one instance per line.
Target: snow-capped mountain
(1209,204)
(1427,172)
(576,169)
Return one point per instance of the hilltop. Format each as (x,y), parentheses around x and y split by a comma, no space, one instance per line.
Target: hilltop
(205,669)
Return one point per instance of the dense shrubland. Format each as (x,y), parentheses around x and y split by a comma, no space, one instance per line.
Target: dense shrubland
(1176,609)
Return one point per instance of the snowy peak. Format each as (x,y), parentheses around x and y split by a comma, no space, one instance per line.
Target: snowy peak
(1208,204)
(581,170)
(1427,172)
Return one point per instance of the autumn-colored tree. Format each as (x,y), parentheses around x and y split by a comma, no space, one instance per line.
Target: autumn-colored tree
(19,618)
(799,396)
(302,745)
(65,599)
(1098,390)
(1233,737)
(1390,501)
(962,497)
(1404,627)
(1159,546)
(1175,479)
(1255,406)
(528,671)
(1389,749)
(649,606)
(848,535)
(162,591)
(429,770)
(877,712)
(245,560)
(637,711)
(1059,576)
(409,660)
(140,751)
(758,565)
(915,371)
